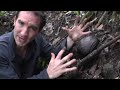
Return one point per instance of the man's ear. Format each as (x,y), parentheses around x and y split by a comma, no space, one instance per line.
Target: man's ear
(14,20)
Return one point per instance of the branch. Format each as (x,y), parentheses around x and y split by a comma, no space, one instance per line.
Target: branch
(101,19)
(82,61)
(84,16)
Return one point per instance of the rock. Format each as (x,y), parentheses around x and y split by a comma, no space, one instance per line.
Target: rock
(109,72)
(87,44)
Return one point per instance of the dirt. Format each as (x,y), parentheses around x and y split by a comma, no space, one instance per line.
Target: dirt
(106,66)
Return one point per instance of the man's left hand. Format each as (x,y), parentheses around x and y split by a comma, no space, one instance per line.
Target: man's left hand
(78,29)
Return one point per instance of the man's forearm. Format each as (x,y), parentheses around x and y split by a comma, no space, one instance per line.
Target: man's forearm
(70,43)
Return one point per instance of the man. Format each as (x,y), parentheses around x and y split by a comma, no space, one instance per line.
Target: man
(20,49)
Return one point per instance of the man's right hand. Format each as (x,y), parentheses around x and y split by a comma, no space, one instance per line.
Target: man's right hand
(58,65)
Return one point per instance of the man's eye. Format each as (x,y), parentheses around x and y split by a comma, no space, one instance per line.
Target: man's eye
(21,23)
(34,28)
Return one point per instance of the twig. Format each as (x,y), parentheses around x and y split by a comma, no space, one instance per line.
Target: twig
(59,27)
(82,61)
(101,19)
(84,16)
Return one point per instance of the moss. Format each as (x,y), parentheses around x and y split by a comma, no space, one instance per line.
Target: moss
(42,63)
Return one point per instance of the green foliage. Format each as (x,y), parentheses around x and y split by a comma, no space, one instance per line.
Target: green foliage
(77,12)
(2,13)
(42,63)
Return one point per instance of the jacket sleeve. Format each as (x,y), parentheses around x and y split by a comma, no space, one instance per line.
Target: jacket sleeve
(6,70)
(42,75)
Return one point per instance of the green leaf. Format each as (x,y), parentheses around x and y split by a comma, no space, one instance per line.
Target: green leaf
(77,12)
(2,13)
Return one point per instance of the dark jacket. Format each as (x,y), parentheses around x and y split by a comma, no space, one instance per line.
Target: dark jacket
(12,66)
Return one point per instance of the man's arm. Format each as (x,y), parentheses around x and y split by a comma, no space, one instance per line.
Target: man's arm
(7,72)
(7,69)
(69,42)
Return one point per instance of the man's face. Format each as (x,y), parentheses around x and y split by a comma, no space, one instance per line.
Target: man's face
(26,27)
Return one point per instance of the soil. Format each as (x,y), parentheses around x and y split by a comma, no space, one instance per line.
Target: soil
(105,66)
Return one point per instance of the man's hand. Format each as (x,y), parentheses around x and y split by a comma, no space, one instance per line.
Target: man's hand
(58,66)
(78,29)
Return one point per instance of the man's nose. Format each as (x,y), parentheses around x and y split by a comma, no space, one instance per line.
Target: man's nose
(24,31)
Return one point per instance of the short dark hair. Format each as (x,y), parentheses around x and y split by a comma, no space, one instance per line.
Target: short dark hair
(40,14)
